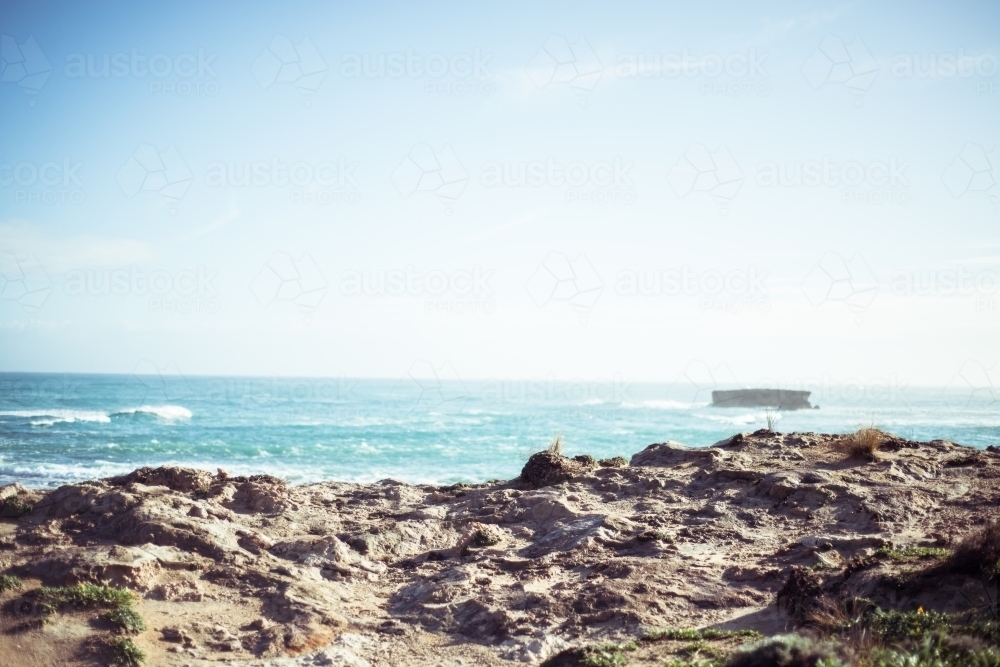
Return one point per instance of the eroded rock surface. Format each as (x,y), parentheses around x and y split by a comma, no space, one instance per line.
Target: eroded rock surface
(571,553)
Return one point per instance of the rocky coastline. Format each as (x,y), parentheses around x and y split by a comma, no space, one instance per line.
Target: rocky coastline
(680,556)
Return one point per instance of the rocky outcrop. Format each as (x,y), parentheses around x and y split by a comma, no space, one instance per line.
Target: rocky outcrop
(748,533)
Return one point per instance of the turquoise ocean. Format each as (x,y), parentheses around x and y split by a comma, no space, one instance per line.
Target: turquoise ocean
(57,428)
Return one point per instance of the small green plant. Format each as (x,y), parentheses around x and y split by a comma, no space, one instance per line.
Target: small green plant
(9,583)
(127,619)
(127,654)
(700,648)
(606,655)
(694,634)
(912,553)
(84,595)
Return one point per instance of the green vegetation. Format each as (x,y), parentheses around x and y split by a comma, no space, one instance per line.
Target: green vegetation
(694,634)
(934,652)
(606,655)
(912,553)
(127,654)
(789,651)
(900,627)
(127,619)
(84,595)
(9,583)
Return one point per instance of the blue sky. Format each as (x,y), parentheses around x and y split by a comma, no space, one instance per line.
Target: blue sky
(787,191)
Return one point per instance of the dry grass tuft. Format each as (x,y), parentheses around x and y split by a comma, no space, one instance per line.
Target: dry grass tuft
(978,553)
(865,442)
(555,447)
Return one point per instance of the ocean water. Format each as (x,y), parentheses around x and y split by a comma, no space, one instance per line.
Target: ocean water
(56,429)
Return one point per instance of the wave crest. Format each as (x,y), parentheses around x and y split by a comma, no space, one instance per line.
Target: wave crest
(58,415)
(170,412)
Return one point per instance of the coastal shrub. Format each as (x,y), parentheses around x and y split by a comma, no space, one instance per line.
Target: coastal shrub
(789,651)
(978,553)
(127,654)
(865,442)
(586,459)
(938,651)
(127,619)
(9,583)
(615,462)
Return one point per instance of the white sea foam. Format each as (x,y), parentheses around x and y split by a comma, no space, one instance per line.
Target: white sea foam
(58,415)
(170,412)
(737,420)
